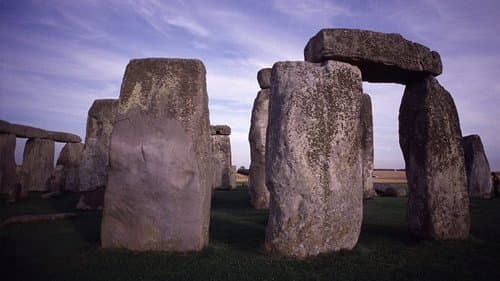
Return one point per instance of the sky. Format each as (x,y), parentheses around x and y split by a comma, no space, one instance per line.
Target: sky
(58,56)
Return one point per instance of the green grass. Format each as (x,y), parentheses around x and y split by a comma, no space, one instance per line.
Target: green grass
(69,249)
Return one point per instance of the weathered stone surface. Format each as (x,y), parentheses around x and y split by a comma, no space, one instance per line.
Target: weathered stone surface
(7,163)
(389,190)
(222,167)
(38,163)
(382,57)
(257,189)
(224,130)
(70,158)
(264,78)
(431,141)
(313,158)
(367,146)
(94,164)
(56,180)
(91,200)
(477,168)
(159,185)
(23,131)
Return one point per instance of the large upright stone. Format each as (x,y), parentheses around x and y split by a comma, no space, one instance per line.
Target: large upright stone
(159,185)
(70,158)
(367,146)
(382,57)
(94,164)
(38,163)
(257,189)
(477,168)
(221,149)
(431,141)
(313,158)
(7,163)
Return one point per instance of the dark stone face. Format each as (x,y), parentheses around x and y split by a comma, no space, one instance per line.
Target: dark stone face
(477,168)
(220,130)
(381,57)
(264,78)
(431,141)
(257,189)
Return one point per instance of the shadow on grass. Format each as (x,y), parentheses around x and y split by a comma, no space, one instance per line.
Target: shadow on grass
(234,223)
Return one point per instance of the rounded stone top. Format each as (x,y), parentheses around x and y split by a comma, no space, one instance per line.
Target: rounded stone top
(220,130)
(264,78)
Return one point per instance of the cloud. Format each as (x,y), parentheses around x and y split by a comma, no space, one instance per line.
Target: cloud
(310,9)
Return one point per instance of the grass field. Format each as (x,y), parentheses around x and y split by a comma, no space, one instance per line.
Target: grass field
(69,249)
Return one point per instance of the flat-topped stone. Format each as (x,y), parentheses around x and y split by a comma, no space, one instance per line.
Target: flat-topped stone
(381,57)
(23,131)
(220,130)
(264,78)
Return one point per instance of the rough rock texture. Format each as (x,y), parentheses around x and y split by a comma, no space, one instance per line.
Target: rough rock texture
(56,180)
(23,131)
(313,158)
(257,189)
(382,57)
(94,164)
(222,167)
(38,163)
(159,185)
(367,146)
(431,141)
(477,168)
(70,158)
(91,200)
(220,130)
(264,78)
(7,163)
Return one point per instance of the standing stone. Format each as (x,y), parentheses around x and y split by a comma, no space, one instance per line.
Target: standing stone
(431,141)
(477,168)
(313,158)
(257,189)
(38,163)
(7,163)
(94,164)
(159,185)
(221,149)
(70,158)
(367,146)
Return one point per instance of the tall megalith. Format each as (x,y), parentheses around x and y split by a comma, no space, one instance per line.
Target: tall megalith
(159,182)
(477,168)
(221,150)
(70,158)
(94,163)
(38,163)
(7,163)
(257,189)
(367,146)
(431,141)
(313,158)
(93,168)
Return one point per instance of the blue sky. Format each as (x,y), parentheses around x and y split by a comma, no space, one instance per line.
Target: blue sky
(56,57)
